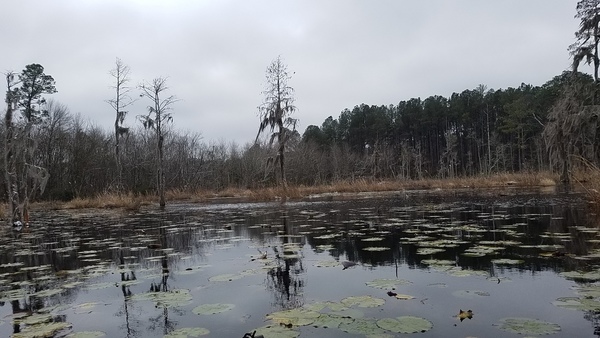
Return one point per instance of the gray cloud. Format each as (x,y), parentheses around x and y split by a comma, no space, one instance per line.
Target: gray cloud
(343,52)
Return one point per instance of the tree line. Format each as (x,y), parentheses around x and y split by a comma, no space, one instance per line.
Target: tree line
(480,131)
(473,132)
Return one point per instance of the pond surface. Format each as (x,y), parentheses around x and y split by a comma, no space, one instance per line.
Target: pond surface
(363,267)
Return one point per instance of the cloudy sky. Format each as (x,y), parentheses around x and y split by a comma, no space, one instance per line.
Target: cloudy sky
(343,52)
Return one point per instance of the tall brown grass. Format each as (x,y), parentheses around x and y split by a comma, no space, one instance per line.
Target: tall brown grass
(134,202)
(127,201)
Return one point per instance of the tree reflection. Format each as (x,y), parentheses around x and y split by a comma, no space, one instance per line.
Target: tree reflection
(126,278)
(285,280)
(162,320)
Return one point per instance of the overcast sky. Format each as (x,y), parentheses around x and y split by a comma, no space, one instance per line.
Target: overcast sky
(343,52)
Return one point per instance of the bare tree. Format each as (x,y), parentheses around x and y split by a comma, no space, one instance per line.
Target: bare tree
(158,115)
(276,109)
(121,100)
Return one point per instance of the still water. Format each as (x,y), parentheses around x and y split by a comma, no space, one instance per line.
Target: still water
(344,265)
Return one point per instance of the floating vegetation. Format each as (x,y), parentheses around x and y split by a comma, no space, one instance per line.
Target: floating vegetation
(295,317)
(590,276)
(507,261)
(363,301)
(405,324)
(42,330)
(329,320)
(276,331)
(362,326)
(481,250)
(429,251)
(210,309)
(528,326)
(327,264)
(87,334)
(578,303)
(470,293)
(187,332)
(167,299)
(376,248)
(386,283)
(462,315)
(438,262)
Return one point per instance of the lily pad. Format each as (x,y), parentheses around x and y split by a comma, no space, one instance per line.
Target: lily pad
(376,248)
(507,261)
(87,334)
(363,301)
(188,332)
(591,276)
(277,331)
(470,294)
(583,304)
(387,283)
(328,320)
(362,326)
(296,317)
(173,298)
(42,330)
(210,309)
(405,324)
(429,251)
(528,326)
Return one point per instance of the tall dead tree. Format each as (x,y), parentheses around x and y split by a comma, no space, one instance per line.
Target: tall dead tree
(276,109)
(119,102)
(158,115)
(23,177)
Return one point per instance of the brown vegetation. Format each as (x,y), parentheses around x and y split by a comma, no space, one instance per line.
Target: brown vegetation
(133,202)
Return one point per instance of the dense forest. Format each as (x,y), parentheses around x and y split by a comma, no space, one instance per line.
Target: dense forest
(473,132)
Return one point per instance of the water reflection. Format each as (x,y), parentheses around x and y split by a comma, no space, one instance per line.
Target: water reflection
(285,279)
(78,257)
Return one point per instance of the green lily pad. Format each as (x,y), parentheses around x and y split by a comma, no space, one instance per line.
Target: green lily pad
(188,332)
(583,304)
(591,276)
(405,324)
(36,318)
(277,331)
(387,283)
(376,248)
(363,301)
(210,309)
(173,298)
(362,326)
(438,262)
(87,334)
(42,330)
(507,261)
(429,251)
(528,326)
(319,306)
(296,317)
(328,320)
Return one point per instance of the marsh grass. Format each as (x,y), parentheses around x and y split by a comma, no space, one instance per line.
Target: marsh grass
(109,200)
(134,202)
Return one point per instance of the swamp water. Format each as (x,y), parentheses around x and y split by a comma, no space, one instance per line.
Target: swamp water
(392,266)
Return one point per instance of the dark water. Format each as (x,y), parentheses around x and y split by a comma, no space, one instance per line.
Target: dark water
(92,269)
